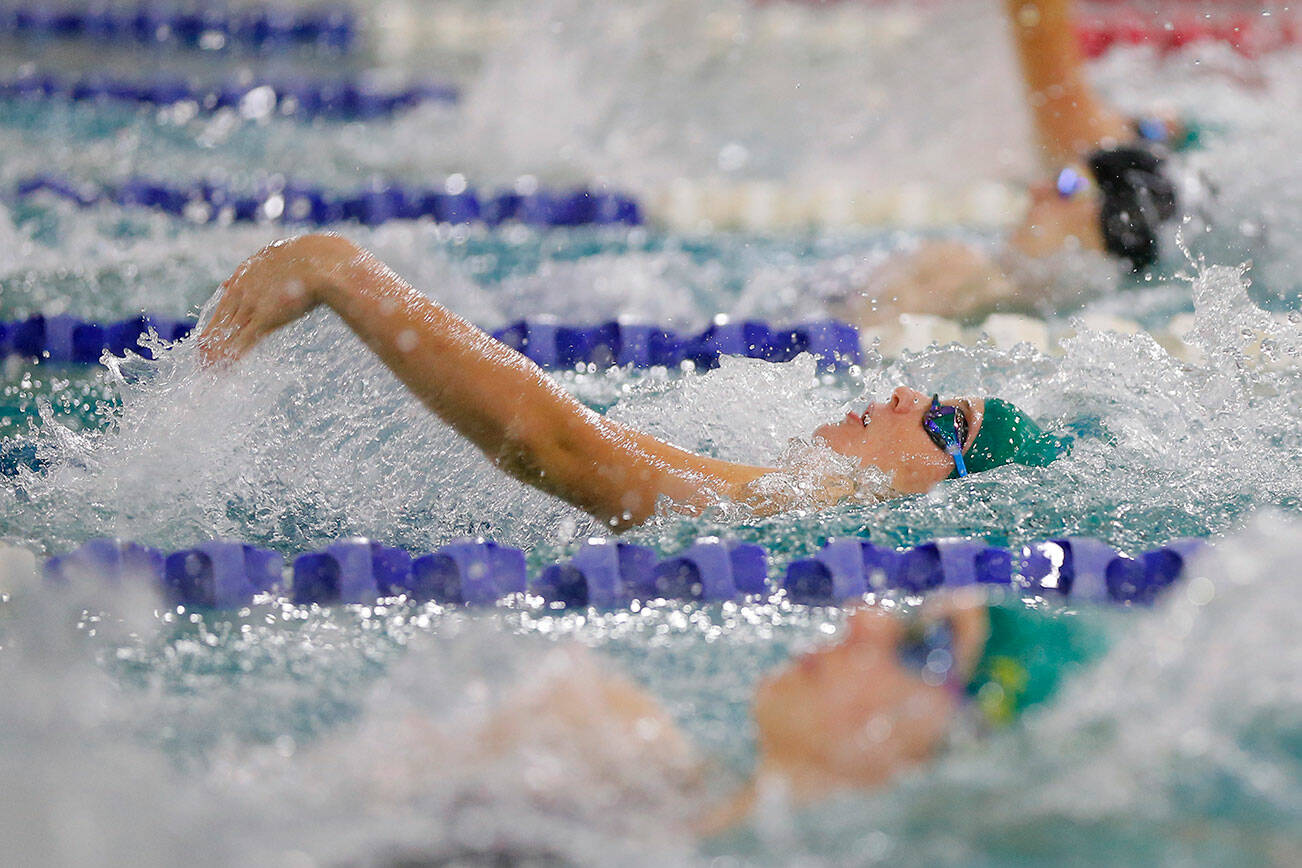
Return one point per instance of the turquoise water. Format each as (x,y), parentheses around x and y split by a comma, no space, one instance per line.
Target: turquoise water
(278,735)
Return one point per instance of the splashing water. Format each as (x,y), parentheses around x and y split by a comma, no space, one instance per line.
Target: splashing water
(277,735)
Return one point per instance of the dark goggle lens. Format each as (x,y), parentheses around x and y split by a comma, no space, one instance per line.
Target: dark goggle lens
(946,426)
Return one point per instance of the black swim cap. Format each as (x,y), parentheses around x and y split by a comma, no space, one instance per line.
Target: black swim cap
(1137,198)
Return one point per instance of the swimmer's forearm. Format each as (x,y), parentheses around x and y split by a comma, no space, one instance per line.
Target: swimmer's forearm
(1069,117)
(500,400)
(453,367)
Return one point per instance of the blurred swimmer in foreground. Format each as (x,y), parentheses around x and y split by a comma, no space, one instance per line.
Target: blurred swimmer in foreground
(532,429)
(889,692)
(1110,191)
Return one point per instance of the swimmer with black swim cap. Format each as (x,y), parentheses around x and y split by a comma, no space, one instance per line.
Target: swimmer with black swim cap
(1117,192)
(1116,202)
(531,428)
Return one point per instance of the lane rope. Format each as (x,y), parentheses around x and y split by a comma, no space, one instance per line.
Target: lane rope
(356,98)
(833,344)
(683,206)
(564,346)
(829,25)
(1250,35)
(69,340)
(336,28)
(607,574)
(254,27)
(289,202)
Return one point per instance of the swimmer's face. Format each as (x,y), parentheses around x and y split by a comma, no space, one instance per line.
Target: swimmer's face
(889,436)
(1053,223)
(850,713)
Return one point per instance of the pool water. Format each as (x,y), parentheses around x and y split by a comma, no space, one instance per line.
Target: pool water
(291,736)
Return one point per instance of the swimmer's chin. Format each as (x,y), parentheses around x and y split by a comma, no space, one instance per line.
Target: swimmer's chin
(821,435)
(826,436)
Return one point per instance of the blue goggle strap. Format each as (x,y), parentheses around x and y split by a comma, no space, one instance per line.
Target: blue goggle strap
(952,446)
(957,454)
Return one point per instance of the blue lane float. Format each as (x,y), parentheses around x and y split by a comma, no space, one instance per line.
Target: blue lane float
(295,204)
(352,571)
(1075,567)
(609,574)
(551,345)
(604,573)
(343,99)
(112,561)
(833,345)
(220,575)
(69,340)
(473,572)
(253,27)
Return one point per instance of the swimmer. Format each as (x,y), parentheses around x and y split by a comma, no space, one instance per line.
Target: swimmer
(1108,191)
(529,427)
(885,696)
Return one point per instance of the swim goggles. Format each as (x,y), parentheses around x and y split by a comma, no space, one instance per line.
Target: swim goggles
(1070,182)
(947,428)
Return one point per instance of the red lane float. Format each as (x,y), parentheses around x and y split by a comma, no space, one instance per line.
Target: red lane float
(1250,35)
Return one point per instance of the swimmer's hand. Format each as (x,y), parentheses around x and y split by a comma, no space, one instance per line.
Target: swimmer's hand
(275,286)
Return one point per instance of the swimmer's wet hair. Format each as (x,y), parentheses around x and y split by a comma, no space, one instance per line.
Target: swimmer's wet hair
(1137,198)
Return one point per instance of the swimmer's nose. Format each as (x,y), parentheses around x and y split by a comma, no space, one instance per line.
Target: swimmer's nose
(904,399)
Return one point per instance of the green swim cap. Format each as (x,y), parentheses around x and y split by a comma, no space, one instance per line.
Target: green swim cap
(1009,436)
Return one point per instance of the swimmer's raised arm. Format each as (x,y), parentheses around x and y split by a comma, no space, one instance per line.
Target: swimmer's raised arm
(1070,118)
(494,396)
